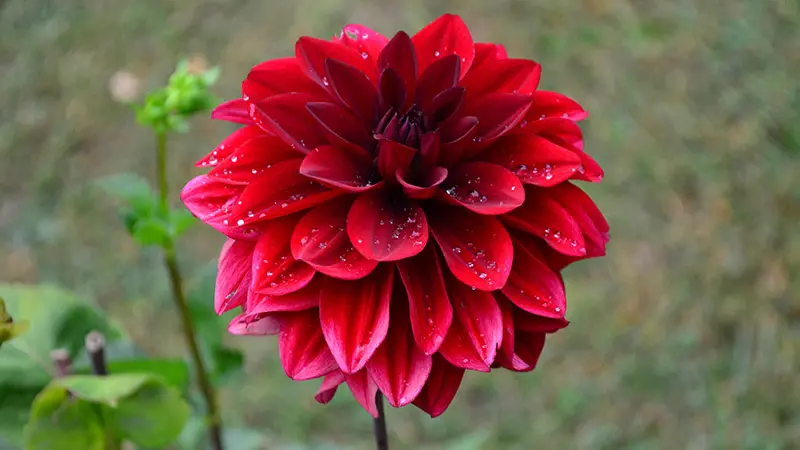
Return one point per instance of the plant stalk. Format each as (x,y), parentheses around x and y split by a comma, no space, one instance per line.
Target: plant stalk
(213,416)
(379,425)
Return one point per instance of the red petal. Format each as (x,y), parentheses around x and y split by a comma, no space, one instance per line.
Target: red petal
(275,271)
(440,76)
(534,159)
(484,188)
(312,53)
(364,390)
(340,168)
(589,170)
(444,36)
(399,367)
(355,316)
(477,330)
(477,248)
(497,113)
(254,325)
(386,229)
(233,276)
(280,191)
(278,76)
(231,144)
(425,187)
(506,350)
(236,110)
(488,53)
(586,214)
(543,216)
(320,239)
(212,201)
(393,156)
(441,388)
(518,76)
(252,158)
(302,299)
(563,132)
(304,354)
(328,387)
(552,104)
(533,287)
(429,305)
(528,348)
(537,324)
(364,40)
(354,90)
(444,105)
(286,116)
(341,125)
(398,58)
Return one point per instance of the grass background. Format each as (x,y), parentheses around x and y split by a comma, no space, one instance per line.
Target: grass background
(687,336)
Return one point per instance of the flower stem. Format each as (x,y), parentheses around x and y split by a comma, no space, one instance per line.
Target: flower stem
(213,416)
(379,425)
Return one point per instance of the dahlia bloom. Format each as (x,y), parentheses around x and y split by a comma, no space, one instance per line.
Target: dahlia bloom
(398,211)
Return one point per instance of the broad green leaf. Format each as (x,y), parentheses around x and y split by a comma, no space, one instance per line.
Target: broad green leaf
(109,390)
(151,231)
(175,372)
(152,416)
(14,411)
(180,220)
(133,190)
(61,422)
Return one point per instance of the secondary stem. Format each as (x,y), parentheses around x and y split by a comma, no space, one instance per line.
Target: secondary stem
(379,425)
(214,418)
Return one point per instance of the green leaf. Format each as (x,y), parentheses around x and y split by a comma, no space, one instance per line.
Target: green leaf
(8,329)
(14,411)
(108,390)
(152,416)
(151,231)
(174,372)
(210,76)
(61,422)
(180,220)
(132,189)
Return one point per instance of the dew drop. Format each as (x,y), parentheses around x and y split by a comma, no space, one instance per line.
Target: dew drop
(436,53)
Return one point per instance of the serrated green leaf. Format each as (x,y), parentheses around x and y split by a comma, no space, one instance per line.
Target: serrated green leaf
(151,231)
(152,416)
(109,390)
(58,421)
(180,220)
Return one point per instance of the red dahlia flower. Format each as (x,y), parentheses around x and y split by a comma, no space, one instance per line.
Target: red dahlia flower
(399,211)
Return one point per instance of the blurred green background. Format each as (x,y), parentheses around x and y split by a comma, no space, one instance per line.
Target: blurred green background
(687,336)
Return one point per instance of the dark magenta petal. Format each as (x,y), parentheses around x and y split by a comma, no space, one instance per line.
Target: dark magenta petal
(384,228)
(534,159)
(367,42)
(275,270)
(441,388)
(328,387)
(252,158)
(533,287)
(355,316)
(438,77)
(393,156)
(484,188)
(547,104)
(445,36)
(304,353)
(393,92)
(256,324)
(286,116)
(233,275)
(321,240)
(364,390)
(545,217)
(399,57)
(399,367)
(429,305)
(279,76)
(236,110)
(312,53)
(280,191)
(476,248)
(517,341)
(341,125)
(444,105)
(517,76)
(340,168)
(422,188)
(354,90)
(478,326)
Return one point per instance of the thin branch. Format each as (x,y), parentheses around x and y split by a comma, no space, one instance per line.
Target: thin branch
(96,347)
(61,362)
(379,425)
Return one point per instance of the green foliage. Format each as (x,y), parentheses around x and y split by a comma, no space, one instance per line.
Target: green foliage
(8,329)
(88,411)
(186,94)
(147,223)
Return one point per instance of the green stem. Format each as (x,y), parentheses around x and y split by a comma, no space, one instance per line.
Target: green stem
(214,418)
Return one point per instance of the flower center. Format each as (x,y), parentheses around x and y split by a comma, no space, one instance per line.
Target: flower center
(403,128)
